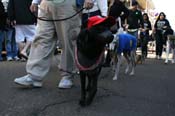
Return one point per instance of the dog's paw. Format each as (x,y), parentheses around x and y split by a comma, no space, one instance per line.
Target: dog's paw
(132,73)
(82,103)
(127,70)
(90,96)
(115,78)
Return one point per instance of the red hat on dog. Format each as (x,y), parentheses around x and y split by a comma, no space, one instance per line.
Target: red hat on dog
(95,20)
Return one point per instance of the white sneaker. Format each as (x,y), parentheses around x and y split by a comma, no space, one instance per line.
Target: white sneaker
(159,58)
(16,58)
(27,81)
(9,58)
(172,61)
(166,61)
(65,83)
(156,57)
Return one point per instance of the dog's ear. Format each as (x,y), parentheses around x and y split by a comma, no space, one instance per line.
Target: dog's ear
(84,41)
(82,37)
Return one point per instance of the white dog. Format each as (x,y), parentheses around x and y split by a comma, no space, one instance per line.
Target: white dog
(170,45)
(124,43)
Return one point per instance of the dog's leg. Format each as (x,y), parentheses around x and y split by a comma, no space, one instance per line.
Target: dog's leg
(173,55)
(127,57)
(167,51)
(83,88)
(89,84)
(114,61)
(93,86)
(117,66)
(133,63)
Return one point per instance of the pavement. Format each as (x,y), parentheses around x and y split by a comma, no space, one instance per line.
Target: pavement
(150,92)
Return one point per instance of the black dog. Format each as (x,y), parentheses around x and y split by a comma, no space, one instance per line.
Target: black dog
(89,55)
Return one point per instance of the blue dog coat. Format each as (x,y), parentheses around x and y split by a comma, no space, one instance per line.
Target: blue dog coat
(126,42)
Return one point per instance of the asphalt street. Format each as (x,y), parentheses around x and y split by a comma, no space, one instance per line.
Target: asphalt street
(150,92)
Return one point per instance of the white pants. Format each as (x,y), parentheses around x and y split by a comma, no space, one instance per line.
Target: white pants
(46,37)
(24,32)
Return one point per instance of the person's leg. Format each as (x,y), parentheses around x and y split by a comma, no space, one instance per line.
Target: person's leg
(160,49)
(1,41)
(67,32)
(19,37)
(9,44)
(173,56)
(38,63)
(14,45)
(167,51)
(29,32)
(146,49)
(157,45)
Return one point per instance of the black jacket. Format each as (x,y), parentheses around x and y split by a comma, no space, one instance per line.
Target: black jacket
(19,10)
(2,16)
(117,9)
(135,19)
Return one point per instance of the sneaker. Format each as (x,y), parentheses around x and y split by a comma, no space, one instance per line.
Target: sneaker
(172,61)
(23,60)
(166,61)
(159,58)
(65,83)
(156,57)
(16,58)
(9,58)
(24,55)
(1,59)
(27,81)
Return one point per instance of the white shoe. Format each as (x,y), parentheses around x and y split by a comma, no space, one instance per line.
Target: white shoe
(156,57)
(65,83)
(159,58)
(172,61)
(27,81)
(16,58)
(9,58)
(166,61)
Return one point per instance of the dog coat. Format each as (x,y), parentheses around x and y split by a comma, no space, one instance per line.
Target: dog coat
(126,42)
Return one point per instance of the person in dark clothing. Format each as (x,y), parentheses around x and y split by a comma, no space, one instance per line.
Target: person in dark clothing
(24,22)
(134,20)
(144,34)
(160,27)
(2,27)
(117,9)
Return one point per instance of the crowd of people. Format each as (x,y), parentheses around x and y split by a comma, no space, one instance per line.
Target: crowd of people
(17,29)
(22,39)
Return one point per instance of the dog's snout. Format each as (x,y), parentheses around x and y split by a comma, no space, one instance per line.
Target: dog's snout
(106,37)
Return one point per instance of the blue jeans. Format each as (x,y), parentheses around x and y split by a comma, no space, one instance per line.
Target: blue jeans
(11,45)
(1,42)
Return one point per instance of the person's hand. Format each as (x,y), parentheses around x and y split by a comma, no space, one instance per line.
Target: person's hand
(34,7)
(126,26)
(13,23)
(164,27)
(8,21)
(142,29)
(88,4)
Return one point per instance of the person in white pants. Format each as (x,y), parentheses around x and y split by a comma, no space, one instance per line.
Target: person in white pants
(47,33)
(170,45)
